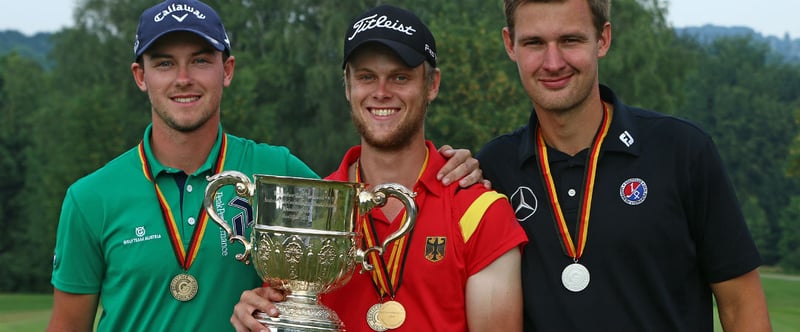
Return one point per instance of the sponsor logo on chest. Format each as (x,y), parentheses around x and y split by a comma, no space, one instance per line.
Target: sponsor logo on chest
(140,235)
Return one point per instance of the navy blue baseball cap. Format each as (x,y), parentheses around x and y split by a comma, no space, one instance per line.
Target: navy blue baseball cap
(398,29)
(180,15)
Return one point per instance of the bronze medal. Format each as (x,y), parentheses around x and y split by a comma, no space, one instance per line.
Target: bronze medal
(183,287)
(372,318)
(392,314)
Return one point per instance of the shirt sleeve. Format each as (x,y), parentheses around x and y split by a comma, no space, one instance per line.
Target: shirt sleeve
(298,168)
(78,262)
(724,243)
(497,232)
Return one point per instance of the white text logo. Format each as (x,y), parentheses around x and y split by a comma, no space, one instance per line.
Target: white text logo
(370,22)
(175,7)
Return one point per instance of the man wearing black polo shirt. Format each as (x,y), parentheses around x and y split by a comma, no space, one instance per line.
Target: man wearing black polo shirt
(632,221)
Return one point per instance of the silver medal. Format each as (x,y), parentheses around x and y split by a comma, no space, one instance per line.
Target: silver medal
(372,318)
(575,277)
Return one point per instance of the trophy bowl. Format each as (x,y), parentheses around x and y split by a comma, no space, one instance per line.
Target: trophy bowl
(306,238)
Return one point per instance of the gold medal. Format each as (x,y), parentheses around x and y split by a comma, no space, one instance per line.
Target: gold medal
(391,314)
(372,318)
(183,287)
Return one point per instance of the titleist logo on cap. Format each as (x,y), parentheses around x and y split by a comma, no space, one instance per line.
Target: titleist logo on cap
(371,22)
(176,7)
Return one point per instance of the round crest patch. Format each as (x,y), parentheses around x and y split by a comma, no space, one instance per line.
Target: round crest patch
(633,191)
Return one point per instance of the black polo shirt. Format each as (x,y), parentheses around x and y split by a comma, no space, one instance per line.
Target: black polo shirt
(665,223)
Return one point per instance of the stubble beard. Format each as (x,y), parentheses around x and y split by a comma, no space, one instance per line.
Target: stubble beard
(564,102)
(400,137)
(186,127)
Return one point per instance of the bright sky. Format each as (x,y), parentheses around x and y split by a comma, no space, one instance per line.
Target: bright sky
(769,17)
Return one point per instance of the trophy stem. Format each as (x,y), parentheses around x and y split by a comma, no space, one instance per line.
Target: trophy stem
(301,313)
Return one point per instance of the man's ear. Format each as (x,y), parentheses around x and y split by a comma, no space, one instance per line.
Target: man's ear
(604,42)
(508,42)
(137,69)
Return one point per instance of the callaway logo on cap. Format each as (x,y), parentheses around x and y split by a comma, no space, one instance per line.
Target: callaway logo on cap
(399,29)
(180,15)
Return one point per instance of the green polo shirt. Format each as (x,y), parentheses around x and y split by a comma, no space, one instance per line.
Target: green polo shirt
(112,239)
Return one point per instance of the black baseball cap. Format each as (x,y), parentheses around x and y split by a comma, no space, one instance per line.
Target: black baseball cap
(180,15)
(398,29)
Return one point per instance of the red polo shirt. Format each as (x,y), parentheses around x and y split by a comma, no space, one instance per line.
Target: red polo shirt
(442,252)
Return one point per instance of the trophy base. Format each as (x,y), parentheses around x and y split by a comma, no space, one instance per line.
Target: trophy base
(301,317)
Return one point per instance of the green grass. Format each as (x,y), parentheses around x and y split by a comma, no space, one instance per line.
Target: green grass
(30,312)
(783,301)
(24,312)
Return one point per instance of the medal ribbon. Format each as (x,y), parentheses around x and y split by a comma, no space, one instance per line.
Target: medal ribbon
(185,259)
(387,276)
(588,188)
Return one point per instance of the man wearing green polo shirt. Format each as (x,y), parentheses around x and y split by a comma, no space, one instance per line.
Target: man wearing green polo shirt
(133,236)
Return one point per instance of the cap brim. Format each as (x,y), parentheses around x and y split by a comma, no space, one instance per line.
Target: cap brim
(217,44)
(409,56)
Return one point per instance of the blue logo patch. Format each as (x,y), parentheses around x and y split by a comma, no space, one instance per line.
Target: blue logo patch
(633,191)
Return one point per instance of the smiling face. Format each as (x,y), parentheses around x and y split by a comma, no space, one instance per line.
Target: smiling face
(388,99)
(556,47)
(183,77)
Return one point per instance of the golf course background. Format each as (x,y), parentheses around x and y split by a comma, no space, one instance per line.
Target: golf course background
(30,312)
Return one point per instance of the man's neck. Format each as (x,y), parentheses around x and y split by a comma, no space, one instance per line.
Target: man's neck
(571,131)
(403,166)
(182,150)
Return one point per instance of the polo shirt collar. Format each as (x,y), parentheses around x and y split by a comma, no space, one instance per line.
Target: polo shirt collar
(157,167)
(427,180)
(623,130)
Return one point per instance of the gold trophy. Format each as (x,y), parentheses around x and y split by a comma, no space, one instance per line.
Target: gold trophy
(306,238)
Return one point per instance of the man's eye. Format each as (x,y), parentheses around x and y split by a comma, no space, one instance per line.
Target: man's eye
(534,42)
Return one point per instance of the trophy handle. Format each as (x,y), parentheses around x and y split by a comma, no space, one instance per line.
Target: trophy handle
(244,188)
(377,198)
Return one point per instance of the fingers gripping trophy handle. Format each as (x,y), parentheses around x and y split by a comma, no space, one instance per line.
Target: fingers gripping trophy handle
(377,198)
(244,188)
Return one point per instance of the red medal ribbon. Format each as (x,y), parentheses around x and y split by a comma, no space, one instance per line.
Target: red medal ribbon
(387,276)
(185,259)
(588,188)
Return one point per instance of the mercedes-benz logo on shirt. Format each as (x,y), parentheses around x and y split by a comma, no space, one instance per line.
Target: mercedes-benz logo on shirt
(524,202)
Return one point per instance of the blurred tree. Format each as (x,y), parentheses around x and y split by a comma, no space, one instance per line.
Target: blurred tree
(17,100)
(92,112)
(732,96)
(643,65)
(480,96)
(760,227)
(288,90)
(789,244)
